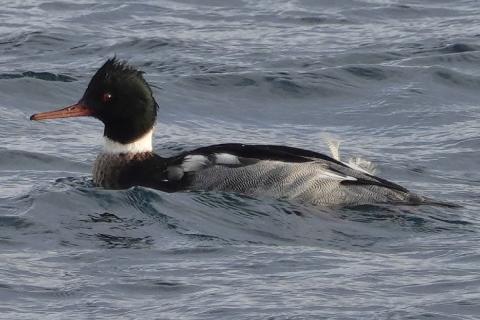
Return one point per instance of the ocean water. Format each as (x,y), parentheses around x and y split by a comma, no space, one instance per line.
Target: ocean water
(397,82)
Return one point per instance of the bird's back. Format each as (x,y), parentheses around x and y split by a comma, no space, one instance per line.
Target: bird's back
(304,181)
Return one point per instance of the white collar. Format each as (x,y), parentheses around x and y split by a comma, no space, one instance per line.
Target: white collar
(142,144)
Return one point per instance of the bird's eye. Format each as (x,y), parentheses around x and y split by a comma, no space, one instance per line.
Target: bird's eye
(106,97)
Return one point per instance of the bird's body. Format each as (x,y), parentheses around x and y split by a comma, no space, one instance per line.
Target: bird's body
(119,97)
(257,170)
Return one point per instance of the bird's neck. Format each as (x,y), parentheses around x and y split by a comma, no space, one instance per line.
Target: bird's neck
(142,144)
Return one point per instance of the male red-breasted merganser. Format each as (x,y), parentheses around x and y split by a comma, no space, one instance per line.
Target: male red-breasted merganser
(119,96)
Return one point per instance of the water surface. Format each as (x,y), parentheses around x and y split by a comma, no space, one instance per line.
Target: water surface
(397,82)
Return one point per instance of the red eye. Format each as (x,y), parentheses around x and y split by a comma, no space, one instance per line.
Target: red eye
(106,97)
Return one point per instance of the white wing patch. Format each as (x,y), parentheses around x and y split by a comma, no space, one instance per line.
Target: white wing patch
(226,158)
(194,162)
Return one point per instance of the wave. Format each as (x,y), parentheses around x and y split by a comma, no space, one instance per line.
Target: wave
(71,212)
(27,160)
(47,76)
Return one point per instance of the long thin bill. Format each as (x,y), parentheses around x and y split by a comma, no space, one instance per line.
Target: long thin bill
(75,110)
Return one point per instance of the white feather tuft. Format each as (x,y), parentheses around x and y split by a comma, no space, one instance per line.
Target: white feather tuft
(356,163)
(334,146)
(362,165)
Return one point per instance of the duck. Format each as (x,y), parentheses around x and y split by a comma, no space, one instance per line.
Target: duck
(120,97)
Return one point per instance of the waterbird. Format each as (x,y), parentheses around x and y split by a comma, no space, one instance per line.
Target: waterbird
(119,96)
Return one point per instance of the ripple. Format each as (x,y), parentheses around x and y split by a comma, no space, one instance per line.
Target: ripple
(47,76)
(458,47)
(370,72)
(37,41)
(325,83)
(459,79)
(26,160)
(111,241)
(15,205)
(14,222)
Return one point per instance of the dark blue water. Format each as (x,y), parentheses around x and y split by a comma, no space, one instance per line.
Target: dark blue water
(398,82)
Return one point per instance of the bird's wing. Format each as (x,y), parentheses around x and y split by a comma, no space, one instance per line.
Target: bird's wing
(241,155)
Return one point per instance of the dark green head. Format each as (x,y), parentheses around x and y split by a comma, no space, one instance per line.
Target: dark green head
(119,96)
